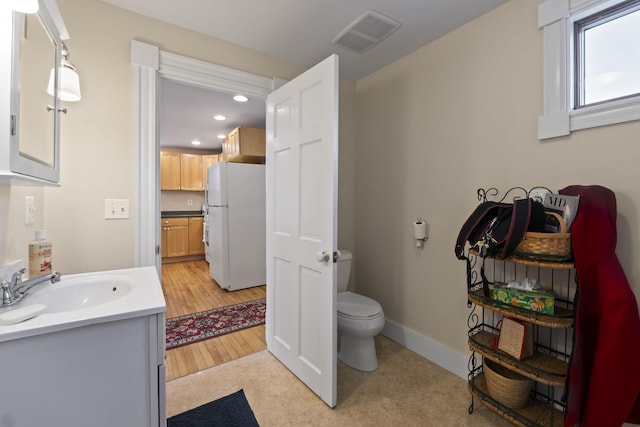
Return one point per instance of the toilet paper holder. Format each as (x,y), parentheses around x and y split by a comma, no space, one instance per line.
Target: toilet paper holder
(420,232)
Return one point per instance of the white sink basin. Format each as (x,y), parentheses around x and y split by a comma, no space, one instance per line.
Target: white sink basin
(84,299)
(79,293)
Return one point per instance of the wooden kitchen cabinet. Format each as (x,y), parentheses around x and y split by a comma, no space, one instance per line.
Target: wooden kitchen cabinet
(245,141)
(175,237)
(191,172)
(169,170)
(208,160)
(185,171)
(196,245)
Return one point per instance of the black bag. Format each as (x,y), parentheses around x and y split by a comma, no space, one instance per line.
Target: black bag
(495,229)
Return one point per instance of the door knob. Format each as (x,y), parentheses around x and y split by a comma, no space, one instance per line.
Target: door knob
(323,256)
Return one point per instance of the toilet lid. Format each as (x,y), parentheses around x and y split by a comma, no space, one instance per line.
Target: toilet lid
(354,305)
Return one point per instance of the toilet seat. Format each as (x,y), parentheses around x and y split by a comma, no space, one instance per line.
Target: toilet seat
(354,306)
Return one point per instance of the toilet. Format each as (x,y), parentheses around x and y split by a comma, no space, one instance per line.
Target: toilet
(359,319)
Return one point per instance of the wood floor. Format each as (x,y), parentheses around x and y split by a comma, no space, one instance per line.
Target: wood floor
(188,288)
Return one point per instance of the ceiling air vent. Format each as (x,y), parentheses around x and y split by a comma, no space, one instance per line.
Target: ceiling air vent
(366,31)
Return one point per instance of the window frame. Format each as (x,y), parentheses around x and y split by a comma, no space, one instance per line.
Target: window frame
(560,118)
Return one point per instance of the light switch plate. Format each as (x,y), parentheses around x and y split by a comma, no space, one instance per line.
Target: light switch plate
(116,208)
(29,210)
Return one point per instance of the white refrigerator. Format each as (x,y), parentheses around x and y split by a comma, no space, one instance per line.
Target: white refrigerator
(235,214)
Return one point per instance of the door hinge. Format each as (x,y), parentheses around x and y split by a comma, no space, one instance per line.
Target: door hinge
(13,124)
(336,255)
(157,249)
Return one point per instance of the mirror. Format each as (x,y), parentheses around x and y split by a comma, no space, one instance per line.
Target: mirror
(35,115)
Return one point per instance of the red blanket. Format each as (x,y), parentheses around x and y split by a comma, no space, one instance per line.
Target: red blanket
(604,374)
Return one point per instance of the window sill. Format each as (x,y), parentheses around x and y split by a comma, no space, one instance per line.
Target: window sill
(618,111)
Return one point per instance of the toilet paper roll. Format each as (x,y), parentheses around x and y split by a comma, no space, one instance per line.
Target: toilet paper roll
(420,229)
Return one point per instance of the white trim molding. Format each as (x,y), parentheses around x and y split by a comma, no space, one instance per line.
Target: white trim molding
(560,118)
(144,58)
(214,77)
(449,359)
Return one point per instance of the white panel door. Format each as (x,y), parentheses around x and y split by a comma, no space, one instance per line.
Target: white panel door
(302,153)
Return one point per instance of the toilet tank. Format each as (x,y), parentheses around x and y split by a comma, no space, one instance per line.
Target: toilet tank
(344,269)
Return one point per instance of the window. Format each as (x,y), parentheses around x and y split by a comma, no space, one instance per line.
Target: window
(607,54)
(592,64)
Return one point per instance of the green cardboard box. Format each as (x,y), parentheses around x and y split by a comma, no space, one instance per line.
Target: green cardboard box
(535,301)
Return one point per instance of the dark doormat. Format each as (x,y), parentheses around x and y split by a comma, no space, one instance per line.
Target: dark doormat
(229,411)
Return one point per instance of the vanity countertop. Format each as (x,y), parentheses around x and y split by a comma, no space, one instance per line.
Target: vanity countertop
(179,214)
(143,297)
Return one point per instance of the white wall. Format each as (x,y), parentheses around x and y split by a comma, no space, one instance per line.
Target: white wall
(456,115)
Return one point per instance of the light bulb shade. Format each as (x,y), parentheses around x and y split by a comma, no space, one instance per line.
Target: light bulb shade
(69,89)
(25,6)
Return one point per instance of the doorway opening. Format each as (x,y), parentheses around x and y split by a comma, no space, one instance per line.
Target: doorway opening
(150,66)
(188,114)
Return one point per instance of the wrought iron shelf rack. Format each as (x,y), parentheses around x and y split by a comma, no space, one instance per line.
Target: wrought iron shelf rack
(553,336)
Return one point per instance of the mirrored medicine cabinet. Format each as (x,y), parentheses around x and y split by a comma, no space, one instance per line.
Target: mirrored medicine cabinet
(35,115)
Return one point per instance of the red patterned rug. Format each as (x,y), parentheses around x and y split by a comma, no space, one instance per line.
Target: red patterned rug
(196,327)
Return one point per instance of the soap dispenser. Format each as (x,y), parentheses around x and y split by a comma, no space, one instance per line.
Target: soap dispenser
(40,251)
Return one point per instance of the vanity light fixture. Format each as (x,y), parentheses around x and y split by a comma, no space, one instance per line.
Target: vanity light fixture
(219,117)
(240,98)
(69,84)
(25,6)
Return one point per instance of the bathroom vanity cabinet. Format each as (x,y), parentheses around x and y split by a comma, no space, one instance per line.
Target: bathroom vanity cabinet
(99,366)
(108,374)
(552,336)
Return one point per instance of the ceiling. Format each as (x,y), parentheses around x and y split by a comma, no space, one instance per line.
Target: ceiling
(301,31)
(186,114)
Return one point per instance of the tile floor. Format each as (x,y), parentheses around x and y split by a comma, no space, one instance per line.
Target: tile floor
(405,390)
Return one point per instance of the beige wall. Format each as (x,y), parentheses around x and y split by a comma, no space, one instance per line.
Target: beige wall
(179,200)
(456,115)
(97,155)
(97,138)
(428,130)
(14,234)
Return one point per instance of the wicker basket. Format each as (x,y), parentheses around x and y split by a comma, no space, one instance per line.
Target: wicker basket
(546,246)
(507,387)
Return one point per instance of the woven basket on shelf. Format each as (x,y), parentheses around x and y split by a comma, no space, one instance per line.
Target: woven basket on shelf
(507,387)
(546,246)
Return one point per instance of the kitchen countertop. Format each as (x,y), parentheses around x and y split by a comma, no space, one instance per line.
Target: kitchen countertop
(179,214)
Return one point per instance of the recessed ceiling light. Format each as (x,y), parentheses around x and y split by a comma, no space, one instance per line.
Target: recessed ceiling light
(240,98)
(195,142)
(219,117)
(221,136)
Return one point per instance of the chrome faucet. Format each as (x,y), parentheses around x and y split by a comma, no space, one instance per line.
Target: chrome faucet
(13,291)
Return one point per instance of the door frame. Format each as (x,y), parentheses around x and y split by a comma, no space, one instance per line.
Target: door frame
(150,64)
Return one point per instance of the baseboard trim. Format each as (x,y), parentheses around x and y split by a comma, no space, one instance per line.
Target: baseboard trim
(451,360)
